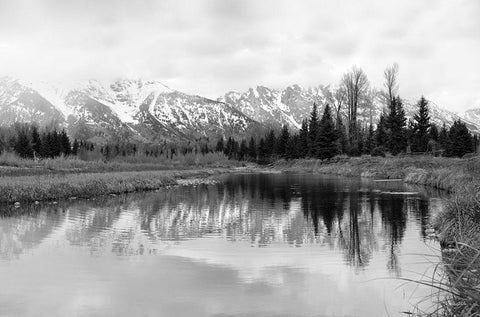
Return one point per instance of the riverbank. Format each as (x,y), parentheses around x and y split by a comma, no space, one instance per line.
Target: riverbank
(451,174)
(24,189)
(12,165)
(458,226)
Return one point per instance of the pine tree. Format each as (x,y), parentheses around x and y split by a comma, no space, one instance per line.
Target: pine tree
(292,149)
(65,146)
(326,140)
(460,141)
(303,139)
(219,147)
(56,145)
(270,141)
(23,146)
(262,153)
(421,127)
(75,148)
(396,121)
(433,133)
(381,133)
(282,142)
(313,130)
(243,150)
(443,137)
(252,149)
(36,142)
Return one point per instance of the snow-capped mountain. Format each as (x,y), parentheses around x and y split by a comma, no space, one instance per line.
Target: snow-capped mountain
(134,109)
(149,111)
(472,115)
(275,108)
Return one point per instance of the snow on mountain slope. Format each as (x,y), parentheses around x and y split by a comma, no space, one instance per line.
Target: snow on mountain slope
(473,116)
(141,109)
(293,104)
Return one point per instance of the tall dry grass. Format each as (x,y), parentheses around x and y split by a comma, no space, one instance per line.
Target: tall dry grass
(57,186)
(12,165)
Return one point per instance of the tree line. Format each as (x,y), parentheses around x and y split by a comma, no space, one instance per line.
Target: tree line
(336,130)
(322,137)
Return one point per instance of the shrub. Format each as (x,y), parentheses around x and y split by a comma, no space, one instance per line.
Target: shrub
(378,151)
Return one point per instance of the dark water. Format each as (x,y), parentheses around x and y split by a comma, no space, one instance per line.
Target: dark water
(251,245)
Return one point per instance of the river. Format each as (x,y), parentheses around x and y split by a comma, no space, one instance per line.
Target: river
(246,245)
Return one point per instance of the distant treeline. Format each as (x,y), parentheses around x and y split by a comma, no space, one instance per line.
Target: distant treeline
(319,137)
(28,141)
(325,137)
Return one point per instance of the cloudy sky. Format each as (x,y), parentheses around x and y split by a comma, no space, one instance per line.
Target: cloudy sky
(211,47)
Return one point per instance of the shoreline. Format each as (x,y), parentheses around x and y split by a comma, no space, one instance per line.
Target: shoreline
(49,187)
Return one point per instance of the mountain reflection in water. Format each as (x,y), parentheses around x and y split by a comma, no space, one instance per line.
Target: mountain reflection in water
(267,227)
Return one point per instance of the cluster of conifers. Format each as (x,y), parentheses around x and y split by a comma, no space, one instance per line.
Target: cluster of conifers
(326,137)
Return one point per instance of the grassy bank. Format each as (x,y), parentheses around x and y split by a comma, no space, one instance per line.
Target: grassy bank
(55,186)
(450,174)
(458,226)
(12,165)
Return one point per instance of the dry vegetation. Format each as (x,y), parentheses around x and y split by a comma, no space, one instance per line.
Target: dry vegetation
(57,186)
(12,165)
(25,180)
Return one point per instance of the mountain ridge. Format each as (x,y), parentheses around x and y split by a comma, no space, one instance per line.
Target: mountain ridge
(150,111)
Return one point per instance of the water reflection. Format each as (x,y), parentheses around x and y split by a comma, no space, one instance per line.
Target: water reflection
(272,230)
(348,215)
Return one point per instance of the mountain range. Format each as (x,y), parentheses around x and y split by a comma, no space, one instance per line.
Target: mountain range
(149,111)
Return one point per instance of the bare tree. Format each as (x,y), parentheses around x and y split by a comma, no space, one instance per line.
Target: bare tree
(391,77)
(355,85)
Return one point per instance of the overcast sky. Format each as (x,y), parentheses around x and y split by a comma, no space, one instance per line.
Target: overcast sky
(211,47)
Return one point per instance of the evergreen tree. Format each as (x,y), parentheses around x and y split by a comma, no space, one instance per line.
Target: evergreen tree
(282,142)
(460,141)
(326,141)
(36,142)
(421,127)
(270,142)
(433,133)
(410,132)
(303,139)
(252,149)
(56,144)
(243,150)
(23,146)
(443,137)
(313,130)
(219,147)
(396,127)
(47,145)
(75,147)
(381,133)
(262,153)
(293,147)
(66,147)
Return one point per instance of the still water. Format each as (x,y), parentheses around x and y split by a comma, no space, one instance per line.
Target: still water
(249,245)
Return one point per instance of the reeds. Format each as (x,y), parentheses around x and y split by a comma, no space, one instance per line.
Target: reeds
(58,186)
(12,165)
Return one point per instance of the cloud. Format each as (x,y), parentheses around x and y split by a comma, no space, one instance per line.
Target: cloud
(208,47)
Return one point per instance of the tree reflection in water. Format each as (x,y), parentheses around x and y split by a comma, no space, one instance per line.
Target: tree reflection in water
(347,215)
